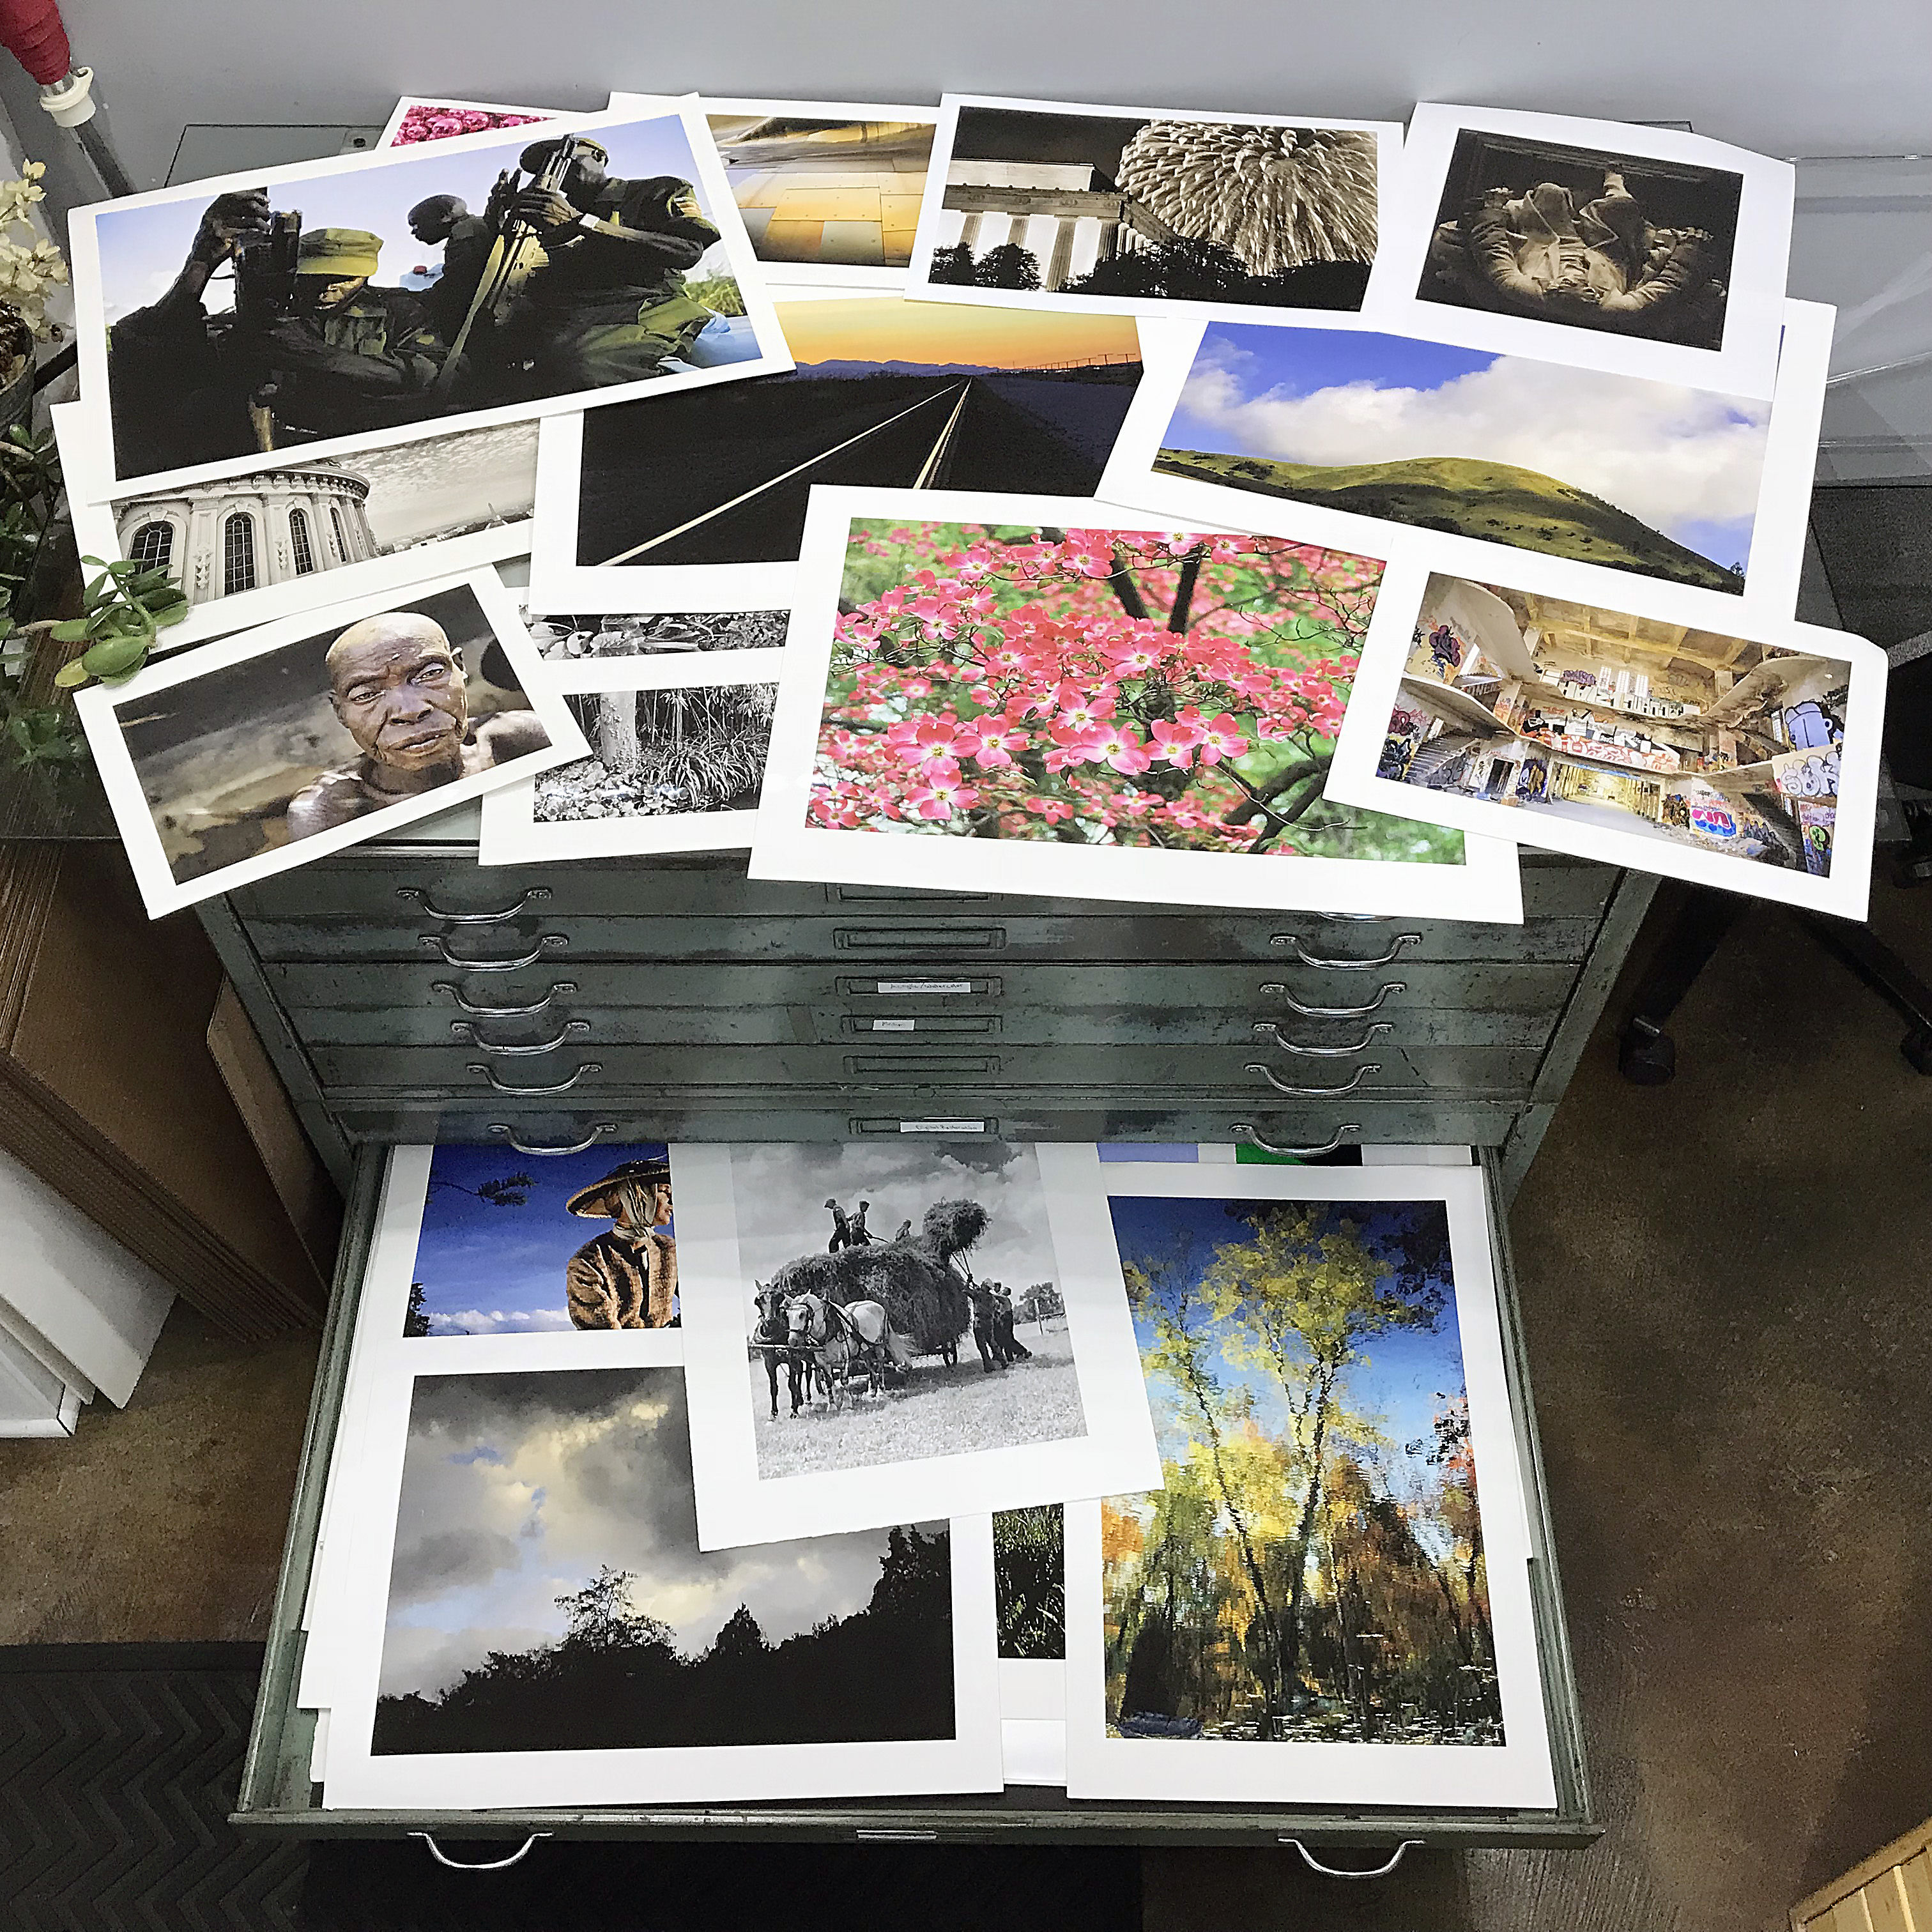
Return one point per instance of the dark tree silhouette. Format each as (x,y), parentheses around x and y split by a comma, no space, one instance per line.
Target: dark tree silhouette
(510,1190)
(415,1322)
(952,266)
(1008,266)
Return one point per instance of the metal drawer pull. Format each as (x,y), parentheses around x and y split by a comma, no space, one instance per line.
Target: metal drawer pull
(1267,1030)
(1295,1006)
(463,1031)
(551,942)
(1315,1864)
(523,1093)
(483,1012)
(1340,916)
(422,898)
(1348,1086)
(590,1140)
(517,1857)
(1307,959)
(1246,1130)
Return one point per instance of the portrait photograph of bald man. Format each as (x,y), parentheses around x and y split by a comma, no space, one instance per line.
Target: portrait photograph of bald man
(246,758)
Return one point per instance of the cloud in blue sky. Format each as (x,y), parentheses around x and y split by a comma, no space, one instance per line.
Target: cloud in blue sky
(1688,462)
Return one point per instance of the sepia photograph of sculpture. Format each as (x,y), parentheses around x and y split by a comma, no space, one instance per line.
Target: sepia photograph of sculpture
(578,1241)
(1589,240)
(1125,206)
(244,759)
(451,281)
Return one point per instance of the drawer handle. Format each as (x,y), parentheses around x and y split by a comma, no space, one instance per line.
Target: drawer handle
(1315,1864)
(483,1012)
(1293,941)
(941,940)
(422,898)
(1268,1031)
(590,1140)
(551,942)
(517,1857)
(1295,1006)
(1338,917)
(1348,1086)
(1246,1130)
(523,1093)
(463,1031)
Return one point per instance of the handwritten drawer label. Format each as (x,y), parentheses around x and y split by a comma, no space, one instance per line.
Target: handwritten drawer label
(918,986)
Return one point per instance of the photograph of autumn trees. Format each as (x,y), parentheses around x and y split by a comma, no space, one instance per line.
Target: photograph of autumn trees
(1313,1569)
(1098,687)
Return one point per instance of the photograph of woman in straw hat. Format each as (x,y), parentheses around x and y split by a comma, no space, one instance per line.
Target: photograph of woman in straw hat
(502,1248)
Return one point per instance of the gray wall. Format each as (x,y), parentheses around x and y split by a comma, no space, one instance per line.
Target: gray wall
(1790,77)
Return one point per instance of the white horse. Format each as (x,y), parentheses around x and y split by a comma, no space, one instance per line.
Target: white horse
(836,1337)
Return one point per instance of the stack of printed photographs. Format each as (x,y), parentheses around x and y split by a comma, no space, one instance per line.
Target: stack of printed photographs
(1262,511)
(906,1469)
(1091,499)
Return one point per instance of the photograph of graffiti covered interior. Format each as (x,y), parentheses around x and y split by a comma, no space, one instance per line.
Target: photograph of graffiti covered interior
(1564,711)
(901,394)
(1621,243)
(1640,476)
(1313,1570)
(836,192)
(1102,687)
(548,1594)
(1074,204)
(512,1246)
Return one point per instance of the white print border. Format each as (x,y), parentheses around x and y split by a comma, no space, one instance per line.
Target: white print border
(511,835)
(1778,530)
(831,276)
(970,1760)
(100,707)
(1519,1772)
(95,535)
(92,328)
(920,287)
(735,1505)
(1486,887)
(1746,365)
(1351,779)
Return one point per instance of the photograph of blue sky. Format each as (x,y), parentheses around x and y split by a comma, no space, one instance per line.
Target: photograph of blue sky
(141,249)
(1687,462)
(518,1487)
(490,1270)
(1399,1382)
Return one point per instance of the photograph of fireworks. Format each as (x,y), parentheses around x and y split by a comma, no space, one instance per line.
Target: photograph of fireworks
(1137,210)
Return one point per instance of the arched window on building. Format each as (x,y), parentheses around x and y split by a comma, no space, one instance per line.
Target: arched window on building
(237,554)
(298,542)
(341,535)
(154,545)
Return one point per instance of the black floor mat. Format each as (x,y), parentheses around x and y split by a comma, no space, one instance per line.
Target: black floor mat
(118,1764)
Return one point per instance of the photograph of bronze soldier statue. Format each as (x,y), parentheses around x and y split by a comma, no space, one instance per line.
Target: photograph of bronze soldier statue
(894,1304)
(1595,240)
(420,290)
(338,725)
(582,1240)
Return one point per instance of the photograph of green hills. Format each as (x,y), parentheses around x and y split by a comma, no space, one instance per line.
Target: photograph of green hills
(1638,476)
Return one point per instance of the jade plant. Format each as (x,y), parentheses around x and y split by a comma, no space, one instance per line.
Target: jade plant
(123,609)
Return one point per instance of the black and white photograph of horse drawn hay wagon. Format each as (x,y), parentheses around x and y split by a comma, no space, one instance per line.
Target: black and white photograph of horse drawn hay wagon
(900,1304)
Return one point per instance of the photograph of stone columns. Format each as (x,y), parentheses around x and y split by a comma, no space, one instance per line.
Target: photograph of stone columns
(1559,710)
(1129,206)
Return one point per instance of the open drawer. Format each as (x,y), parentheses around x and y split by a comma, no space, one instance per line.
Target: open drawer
(277,1794)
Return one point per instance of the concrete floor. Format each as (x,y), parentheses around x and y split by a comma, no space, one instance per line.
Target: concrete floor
(1725,1287)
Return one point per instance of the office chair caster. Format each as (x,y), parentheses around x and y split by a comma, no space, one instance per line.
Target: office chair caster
(1646,1054)
(1917,1047)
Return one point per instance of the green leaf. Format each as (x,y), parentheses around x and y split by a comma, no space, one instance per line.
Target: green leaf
(72,676)
(70,632)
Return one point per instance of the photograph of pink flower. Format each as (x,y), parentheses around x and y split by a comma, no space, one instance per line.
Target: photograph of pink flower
(1125,694)
(415,121)
(1126,687)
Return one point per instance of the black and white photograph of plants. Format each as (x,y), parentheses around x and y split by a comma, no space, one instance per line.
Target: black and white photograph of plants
(660,634)
(660,754)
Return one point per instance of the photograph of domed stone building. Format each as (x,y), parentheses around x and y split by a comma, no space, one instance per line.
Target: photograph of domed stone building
(238,534)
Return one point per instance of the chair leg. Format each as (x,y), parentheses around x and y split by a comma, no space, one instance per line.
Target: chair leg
(1858,948)
(1646,1054)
